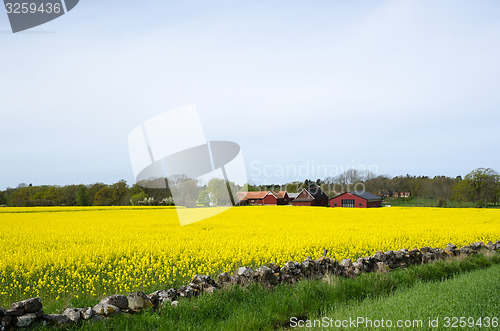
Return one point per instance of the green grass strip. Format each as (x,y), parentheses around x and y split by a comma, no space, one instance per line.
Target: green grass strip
(257,308)
(465,301)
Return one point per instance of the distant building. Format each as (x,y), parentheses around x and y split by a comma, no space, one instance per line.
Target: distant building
(292,196)
(282,197)
(356,199)
(312,197)
(251,198)
(262,198)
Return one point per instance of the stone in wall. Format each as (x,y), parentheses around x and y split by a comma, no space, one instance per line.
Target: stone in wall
(138,301)
(116,300)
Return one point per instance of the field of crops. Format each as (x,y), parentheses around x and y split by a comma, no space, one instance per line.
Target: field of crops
(68,252)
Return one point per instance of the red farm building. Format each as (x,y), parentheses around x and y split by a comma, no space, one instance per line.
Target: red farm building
(356,199)
(311,197)
(261,198)
(282,197)
(292,196)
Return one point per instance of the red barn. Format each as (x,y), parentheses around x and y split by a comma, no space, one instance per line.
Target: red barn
(356,199)
(312,197)
(251,198)
(260,198)
(282,197)
(292,196)
(270,199)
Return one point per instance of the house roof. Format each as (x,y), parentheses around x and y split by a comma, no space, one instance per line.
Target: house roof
(279,194)
(292,195)
(362,194)
(251,195)
(318,193)
(315,193)
(365,195)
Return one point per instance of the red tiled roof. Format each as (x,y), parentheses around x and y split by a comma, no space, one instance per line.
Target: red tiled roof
(251,195)
(279,194)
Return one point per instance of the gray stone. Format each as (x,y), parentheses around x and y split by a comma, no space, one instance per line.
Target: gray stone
(138,301)
(186,291)
(105,309)
(291,272)
(358,265)
(86,313)
(379,256)
(491,246)
(73,314)
(203,281)
(197,289)
(425,249)
(245,272)
(308,268)
(466,250)
(223,278)
(346,263)
(451,249)
(274,267)
(16,309)
(266,276)
(116,300)
(32,305)
(166,295)
(25,320)
(153,297)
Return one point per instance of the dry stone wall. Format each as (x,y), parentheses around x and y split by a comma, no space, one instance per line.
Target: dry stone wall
(29,313)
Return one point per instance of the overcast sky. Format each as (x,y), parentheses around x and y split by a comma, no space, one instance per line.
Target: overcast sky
(397,86)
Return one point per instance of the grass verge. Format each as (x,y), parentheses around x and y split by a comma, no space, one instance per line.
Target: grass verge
(465,301)
(257,308)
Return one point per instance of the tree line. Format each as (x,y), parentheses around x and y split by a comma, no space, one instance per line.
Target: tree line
(481,187)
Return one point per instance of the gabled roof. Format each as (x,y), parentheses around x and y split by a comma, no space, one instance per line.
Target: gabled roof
(279,194)
(315,194)
(251,195)
(362,194)
(292,195)
(318,193)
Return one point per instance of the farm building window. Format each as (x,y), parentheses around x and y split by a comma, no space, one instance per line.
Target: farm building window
(348,203)
(335,205)
(361,205)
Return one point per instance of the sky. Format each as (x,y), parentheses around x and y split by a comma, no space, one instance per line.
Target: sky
(306,88)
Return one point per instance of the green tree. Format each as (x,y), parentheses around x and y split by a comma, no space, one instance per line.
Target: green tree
(82,198)
(218,189)
(462,191)
(122,193)
(484,183)
(204,198)
(92,191)
(21,196)
(480,186)
(67,195)
(136,198)
(106,196)
(3,198)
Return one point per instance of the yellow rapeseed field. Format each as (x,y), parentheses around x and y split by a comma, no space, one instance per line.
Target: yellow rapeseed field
(95,251)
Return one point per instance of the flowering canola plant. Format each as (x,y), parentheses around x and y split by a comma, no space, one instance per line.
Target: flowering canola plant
(56,252)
